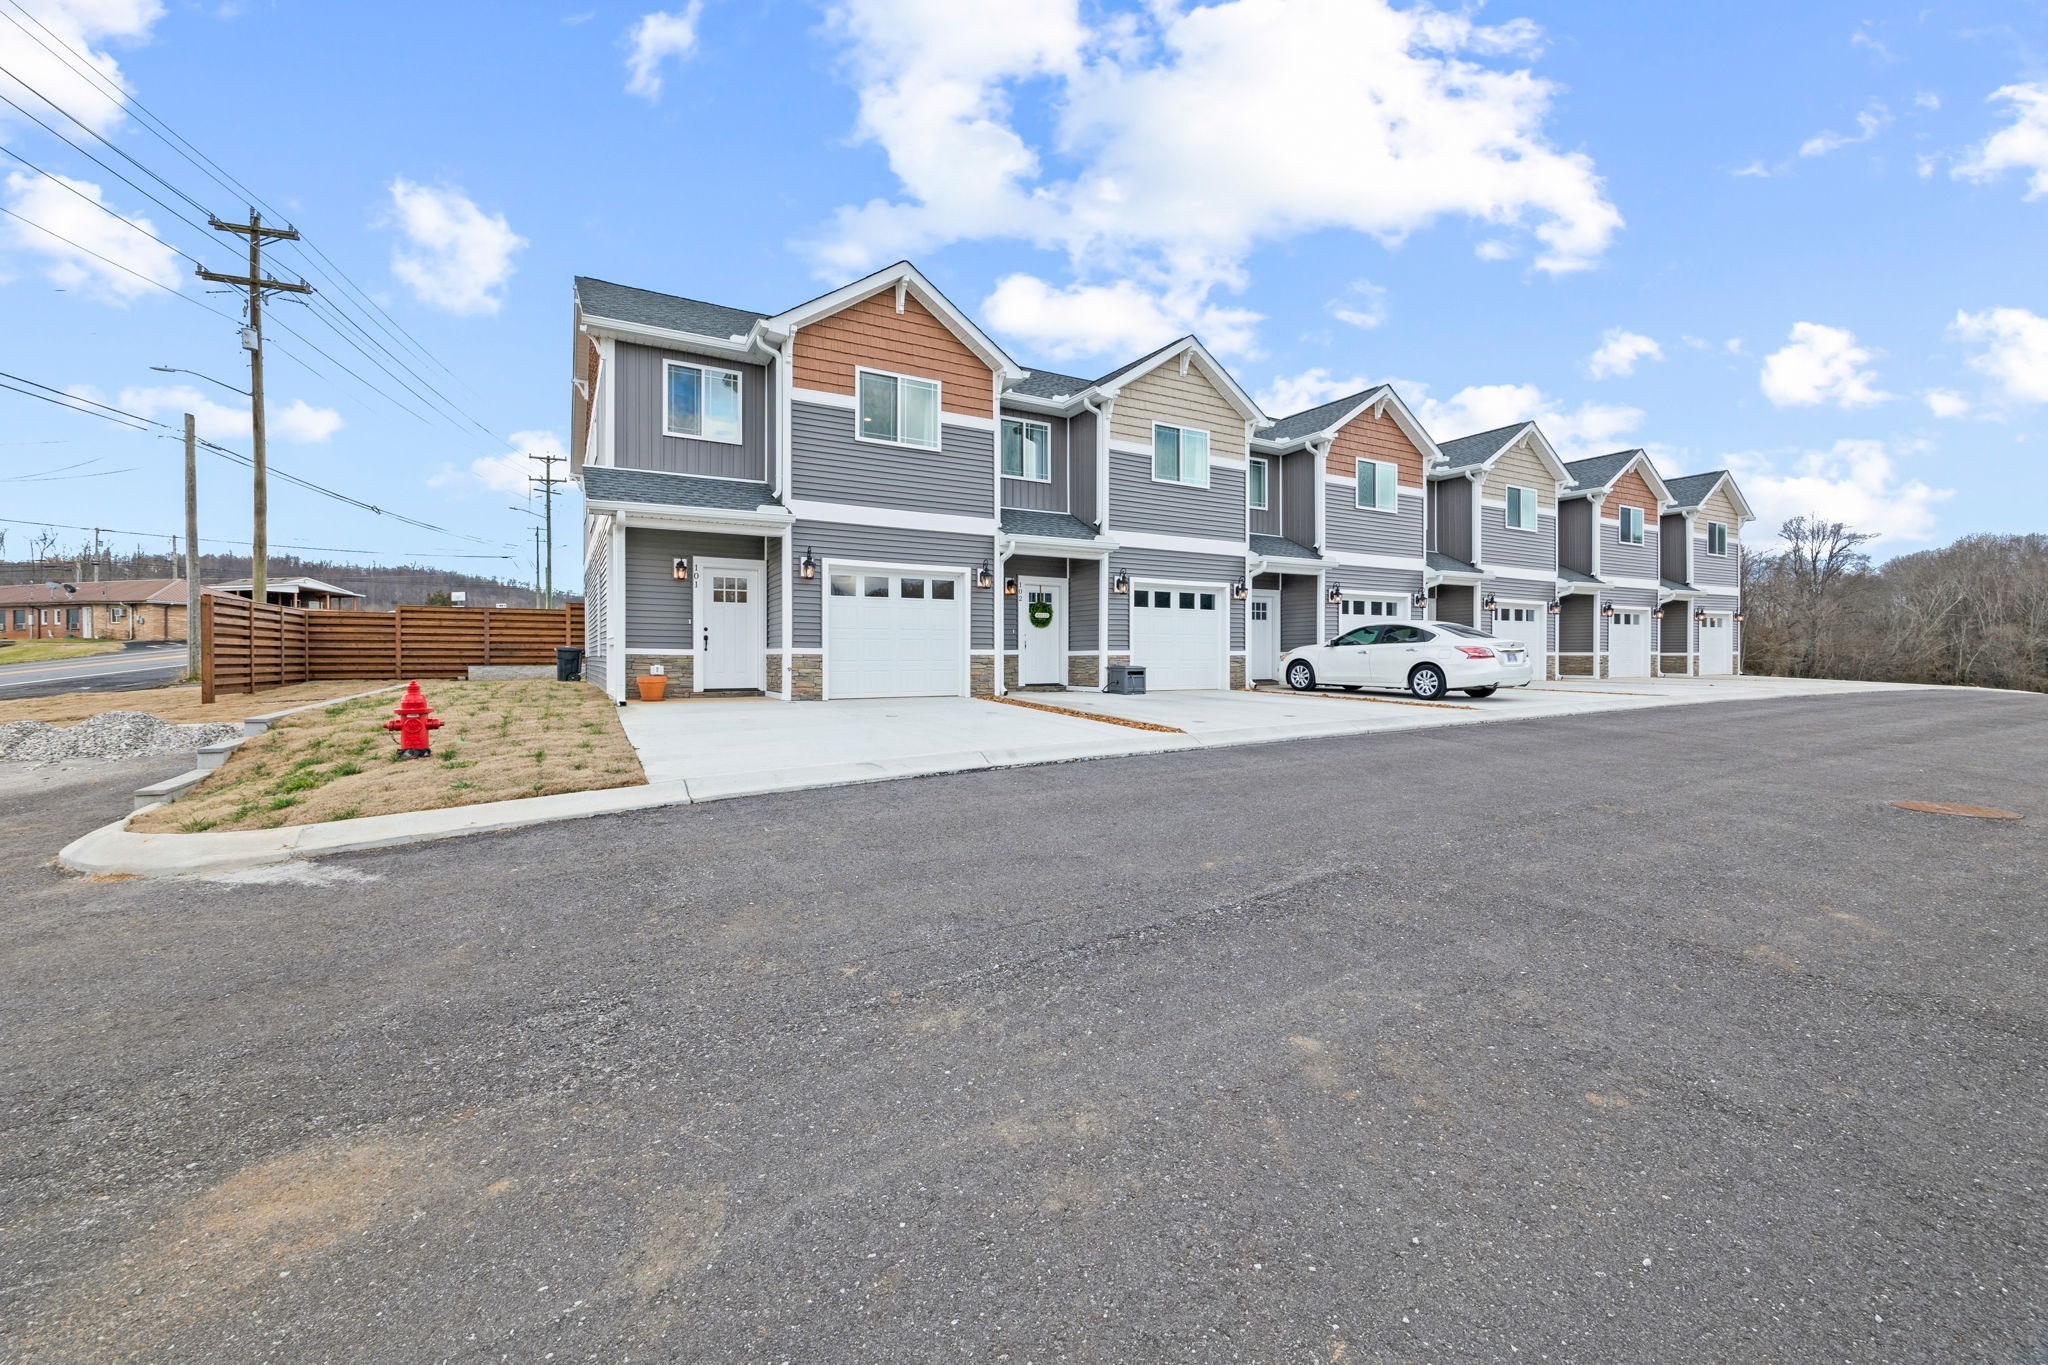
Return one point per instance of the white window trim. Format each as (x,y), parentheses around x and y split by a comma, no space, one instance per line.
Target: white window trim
(1153,456)
(1723,552)
(1621,526)
(938,406)
(1267,465)
(1363,608)
(703,373)
(1358,481)
(1027,477)
(1507,509)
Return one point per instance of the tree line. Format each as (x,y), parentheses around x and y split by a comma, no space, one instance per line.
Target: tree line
(1973,613)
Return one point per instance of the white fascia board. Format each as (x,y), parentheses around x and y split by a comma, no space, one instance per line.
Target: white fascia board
(902,277)
(1220,377)
(895,518)
(749,347)
(1050,407)
(1058,547)
(1259,564)
(703,518)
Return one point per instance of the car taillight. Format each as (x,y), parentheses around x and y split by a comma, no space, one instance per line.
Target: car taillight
(1475,651)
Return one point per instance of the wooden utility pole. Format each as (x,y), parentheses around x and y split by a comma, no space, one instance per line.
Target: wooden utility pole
(548,483)
(191,547)
(252,341)
(536,566)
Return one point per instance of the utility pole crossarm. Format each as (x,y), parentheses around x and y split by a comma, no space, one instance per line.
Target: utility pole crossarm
(245,282)
(253,228)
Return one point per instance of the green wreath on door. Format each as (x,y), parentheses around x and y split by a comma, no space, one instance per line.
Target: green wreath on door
(1039,614)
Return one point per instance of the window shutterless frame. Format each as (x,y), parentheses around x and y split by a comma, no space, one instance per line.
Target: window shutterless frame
(1522,509)
(1379,486)
(899,386)
(1717,538)
(1631,526)
(716,388)
(1258,492)
(1034,462)
(1187,447)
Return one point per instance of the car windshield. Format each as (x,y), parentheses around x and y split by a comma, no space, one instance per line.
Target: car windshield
(1451,628)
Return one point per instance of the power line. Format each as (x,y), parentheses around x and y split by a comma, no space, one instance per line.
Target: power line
(80,246)
(94,133)
(105,208)
(95,160)
(221,540)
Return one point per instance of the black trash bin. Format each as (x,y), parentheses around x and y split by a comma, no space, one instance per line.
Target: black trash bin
(1126,680)
(568,664)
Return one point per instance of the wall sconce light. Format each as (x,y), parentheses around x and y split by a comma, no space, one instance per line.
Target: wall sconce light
(1334,595)
(982,577)
(1738,618)
(1607,612)
(1489,602)
(1557,608)
(1009,587)
(807,567)
(1657,615)
(1420,599)
(1699,614)
(1238,590)
(682,571)
(1121,585)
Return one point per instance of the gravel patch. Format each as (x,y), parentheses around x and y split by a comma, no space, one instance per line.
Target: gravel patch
(111,734)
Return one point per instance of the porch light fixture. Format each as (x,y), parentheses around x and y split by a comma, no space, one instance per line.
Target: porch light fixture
(1607,612)
(1238,590)
(1657,615)
(1557,608)
(1121,585)
(682,570)
(982,577)
(1334,595)
(807,567)
(1009,587)
(1699,614)
(1738,618)
(1489,602)
(1420,599)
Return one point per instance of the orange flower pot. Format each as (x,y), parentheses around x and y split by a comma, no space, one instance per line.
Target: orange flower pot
(651,687)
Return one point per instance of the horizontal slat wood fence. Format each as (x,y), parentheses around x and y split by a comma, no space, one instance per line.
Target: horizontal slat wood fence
(249,646)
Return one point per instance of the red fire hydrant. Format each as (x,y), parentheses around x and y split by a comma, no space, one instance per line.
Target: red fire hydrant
(410,720)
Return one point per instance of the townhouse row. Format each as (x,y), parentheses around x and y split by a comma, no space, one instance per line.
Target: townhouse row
(865,496)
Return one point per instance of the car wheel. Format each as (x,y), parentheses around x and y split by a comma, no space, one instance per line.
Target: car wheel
(1301,676)
(1479,691)
(1426,682)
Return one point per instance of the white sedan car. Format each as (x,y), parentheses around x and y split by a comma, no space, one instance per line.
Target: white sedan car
(1426,658)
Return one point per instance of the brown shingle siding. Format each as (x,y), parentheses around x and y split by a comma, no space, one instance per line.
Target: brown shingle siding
(872,333)
(1632,490)
(1366,437)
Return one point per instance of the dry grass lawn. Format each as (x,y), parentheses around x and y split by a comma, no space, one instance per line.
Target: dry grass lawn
(180,705)
(44,651)
(502,740)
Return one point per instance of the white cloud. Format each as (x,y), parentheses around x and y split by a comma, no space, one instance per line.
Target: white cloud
(1852,481)
(460,256)
(1124,319)
(124,241)
(1619,352)
(1869,124)
(298,421)
(507,472)
(1362,304)
(1755,170)
(1872,44)
(2015,350)
(1176,157)
(1588,429)
(303,424)
(85,27)
(1946,402)
(1821,364)
(1290,393)
(1927,99)
(656,38)
(2020,145)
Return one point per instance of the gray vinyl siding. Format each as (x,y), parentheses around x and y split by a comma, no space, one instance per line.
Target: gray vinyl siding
(1627,561)
(828,464)
(1041,497)
(1081,466)
(1450,518)
(1671,543)
(1299,612)
(637,380)
(1084,605)
(1673,634)
(1535,549)
(1027,566)
(888,545)
(775,553)
(1301,478)
(1575,624)
(1137,503)
(1522,591)
(1366,579)
(596,602)
(658,608)
(1457,602)
(1266,521)
(1222,570)
(1575,534)
(1724,572)
(1361,530)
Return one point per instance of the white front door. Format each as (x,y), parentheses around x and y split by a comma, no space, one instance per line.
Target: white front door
(1262,634)
(895,633)
(1628,644)
(1041,632)
(1525,623)
(1179,635)
(1717,644)
(732,626)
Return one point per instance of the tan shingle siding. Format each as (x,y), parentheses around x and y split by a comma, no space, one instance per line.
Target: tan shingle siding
(1166,395)
(1524,469)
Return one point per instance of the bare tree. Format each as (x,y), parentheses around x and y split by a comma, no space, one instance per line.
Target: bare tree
(1819,556)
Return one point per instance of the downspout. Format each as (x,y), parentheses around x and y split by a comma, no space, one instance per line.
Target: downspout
(1102,572)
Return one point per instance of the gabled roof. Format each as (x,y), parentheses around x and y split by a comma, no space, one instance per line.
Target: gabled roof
(298,583)
(1047,384)
(1280,547)
(905,279)
(645,307)
(1191,346)
(1314,421)
(1690,490)
(1601,471)
(601,483)
(1481,449)
(123,590)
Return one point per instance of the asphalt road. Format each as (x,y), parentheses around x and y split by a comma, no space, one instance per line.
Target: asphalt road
(136,666)
(1655,1036)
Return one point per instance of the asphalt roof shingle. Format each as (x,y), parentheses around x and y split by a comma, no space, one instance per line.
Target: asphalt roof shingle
(1309,421)
(1280,547)
(1690,490)
(1046,384)
(1565,575)
(1477,448)
(604,484)
(1599,470)
(1444,563)
(602,298)
(1022,521)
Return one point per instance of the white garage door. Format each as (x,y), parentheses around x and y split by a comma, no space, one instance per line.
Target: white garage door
(1717,645)
(894,633)
(1524,622)
(1628,645)
(1178,635)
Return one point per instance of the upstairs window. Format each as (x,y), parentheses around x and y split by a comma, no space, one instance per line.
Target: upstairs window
(1180,455)
(1379,486)
(703,402)
(1522,508)
(1027,450)
(1717,537)
(1631,525)
(899,410)
(1256,494)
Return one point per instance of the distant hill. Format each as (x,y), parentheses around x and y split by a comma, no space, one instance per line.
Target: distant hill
(385,585)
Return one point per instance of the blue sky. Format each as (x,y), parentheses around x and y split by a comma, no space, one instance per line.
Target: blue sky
(1803,241)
